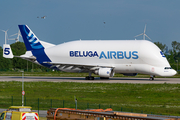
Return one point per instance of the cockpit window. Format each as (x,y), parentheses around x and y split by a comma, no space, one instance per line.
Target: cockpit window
(167,68)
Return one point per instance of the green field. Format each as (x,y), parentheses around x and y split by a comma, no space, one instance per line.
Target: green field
(142,98)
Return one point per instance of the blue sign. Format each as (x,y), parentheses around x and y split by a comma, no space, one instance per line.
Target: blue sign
(106,55)
(6,51)
(162,54)
(83,54)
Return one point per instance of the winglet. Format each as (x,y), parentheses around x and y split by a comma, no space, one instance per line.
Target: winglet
(7,52)
(30,39)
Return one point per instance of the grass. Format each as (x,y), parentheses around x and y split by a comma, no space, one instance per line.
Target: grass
(149,98)
(146,98)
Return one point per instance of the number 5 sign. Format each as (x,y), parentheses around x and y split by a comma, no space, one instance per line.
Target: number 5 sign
(7,52)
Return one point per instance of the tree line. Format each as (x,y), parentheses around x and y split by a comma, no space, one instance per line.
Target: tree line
(172,55)
(16,64)
(18,48)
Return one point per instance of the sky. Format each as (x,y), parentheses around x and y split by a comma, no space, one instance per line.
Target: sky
(69,20)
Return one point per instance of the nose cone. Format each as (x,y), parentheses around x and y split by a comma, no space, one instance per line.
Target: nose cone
(173,72)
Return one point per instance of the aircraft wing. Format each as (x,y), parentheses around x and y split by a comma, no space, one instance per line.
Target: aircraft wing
(77,65)
(27,58)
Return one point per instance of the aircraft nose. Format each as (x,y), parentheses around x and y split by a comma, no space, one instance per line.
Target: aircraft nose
(173,72)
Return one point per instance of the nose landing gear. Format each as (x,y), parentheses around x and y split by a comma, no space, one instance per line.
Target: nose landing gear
(151,77)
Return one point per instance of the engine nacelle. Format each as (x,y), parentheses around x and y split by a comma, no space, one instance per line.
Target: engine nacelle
(104,72)
(130,74)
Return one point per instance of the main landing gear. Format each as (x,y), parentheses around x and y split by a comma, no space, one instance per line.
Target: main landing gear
(89,77)
(105,78)
(151,77)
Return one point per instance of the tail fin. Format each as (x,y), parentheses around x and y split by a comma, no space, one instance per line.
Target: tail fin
(7,52)
(30,39)
(34,45)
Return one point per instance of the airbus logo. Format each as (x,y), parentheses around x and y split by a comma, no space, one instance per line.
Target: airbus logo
(32,39)
(83,54)
(162,54)
(106,55)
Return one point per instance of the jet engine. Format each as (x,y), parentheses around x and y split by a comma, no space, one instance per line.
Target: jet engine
(104,72)
(129,74)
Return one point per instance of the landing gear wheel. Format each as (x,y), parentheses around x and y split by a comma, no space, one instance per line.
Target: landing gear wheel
(104,78)
(89,78)
(151,78)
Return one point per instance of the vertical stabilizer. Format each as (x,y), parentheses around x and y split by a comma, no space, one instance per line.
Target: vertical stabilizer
(7,52)
(30,39)
(34,45)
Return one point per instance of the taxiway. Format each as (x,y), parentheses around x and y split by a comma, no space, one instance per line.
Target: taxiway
(97,80)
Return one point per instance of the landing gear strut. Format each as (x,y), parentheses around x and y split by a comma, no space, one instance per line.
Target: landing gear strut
(89,77)
(151,77)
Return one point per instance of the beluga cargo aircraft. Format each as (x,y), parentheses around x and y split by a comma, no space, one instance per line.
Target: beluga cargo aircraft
(101,57)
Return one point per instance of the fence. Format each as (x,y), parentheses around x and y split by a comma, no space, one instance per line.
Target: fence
(45,104)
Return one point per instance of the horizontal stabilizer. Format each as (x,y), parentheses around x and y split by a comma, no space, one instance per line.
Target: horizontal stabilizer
(7,52)
(27,58)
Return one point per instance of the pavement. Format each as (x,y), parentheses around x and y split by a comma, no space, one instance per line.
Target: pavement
(97,80)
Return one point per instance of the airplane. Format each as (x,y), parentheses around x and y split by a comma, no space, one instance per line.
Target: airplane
(43,17)
(101,57)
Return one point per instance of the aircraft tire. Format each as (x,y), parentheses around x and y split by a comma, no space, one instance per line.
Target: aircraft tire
(104,78)
(151,78)
(89,78)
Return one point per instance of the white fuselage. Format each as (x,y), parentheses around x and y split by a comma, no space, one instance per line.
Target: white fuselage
(125,56)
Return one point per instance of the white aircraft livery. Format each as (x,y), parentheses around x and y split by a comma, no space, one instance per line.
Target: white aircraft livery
(101,57)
